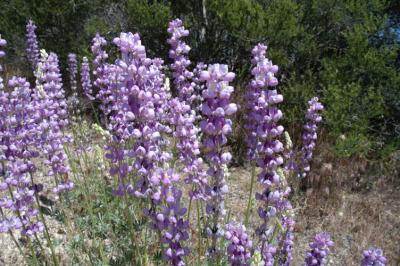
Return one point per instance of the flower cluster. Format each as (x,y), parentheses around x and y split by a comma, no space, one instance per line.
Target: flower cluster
(310,132)
(73,70)
(320,249)
(3,43)
(239,246)
(18,135)
(136,105)
(265,148)
(256,100)
(53,120)
(216,126)
(268,255)
(183,116)
(188,145)
(169,219)
(32,49)
(100,69)
(73,100)
(373,257)
(85,79)
(178,53)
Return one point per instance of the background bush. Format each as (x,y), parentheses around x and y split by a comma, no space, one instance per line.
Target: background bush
(346,52)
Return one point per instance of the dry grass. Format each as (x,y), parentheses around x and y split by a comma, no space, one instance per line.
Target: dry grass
(358,214)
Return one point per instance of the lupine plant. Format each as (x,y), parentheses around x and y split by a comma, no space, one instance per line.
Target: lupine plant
(163,145)
(32,45)
(373,257)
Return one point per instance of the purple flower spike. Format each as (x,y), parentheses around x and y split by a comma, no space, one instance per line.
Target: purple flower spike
(18,131)
(239,246)
(73,100)
(178,53)
(53,117)
(257,103)
(85,79)
(265,148)
(3,43)
(216,127)
(320,249)
(310,132)
(100,69)
(32,46)
(183,117)
(169,219)
(373,257)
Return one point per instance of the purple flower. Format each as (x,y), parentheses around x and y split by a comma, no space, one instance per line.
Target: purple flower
(257,101)
(310,132)
(239,244)
(32,46)
(168,218)
(320,249)
(182,116)
(216,127)
(101,71)
(373,257)
(268,255)
(73,100)
(85,79)
(3,43)
(178,53)
(52,119)
(17,135)
(264,130)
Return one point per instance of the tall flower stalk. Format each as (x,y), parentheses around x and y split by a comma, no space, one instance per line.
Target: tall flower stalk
(313,118)
(257,111)
(216,127)
(183,116)
(85,79)
(32,45)
(73,100)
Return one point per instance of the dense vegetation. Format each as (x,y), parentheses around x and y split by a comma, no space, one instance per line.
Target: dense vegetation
(346,52)
(120,130)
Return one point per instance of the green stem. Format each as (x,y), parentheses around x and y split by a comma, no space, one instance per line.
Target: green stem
(46,229)
(199,233)
(189,208)
(249,204)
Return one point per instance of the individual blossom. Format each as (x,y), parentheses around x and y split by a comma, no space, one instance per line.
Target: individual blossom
(313,117)
(373,257)
(85,79)
(320,249)
(216,127)
(32,46)
(239,244)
